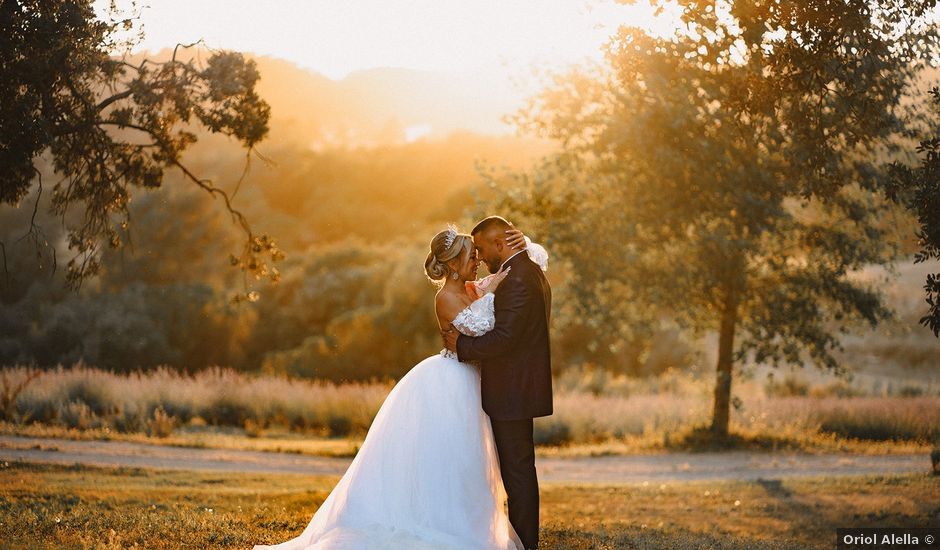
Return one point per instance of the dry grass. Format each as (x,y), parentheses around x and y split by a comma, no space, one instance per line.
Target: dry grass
(595,413)
(84,397)
(82,507)
(208,438)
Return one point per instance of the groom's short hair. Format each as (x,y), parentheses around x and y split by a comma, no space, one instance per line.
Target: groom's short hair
(491,222)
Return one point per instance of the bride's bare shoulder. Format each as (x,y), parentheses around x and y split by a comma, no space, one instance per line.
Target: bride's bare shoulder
(449,304)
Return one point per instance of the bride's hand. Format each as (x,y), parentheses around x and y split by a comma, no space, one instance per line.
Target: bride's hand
(489,284)
(515,239)
(449,336)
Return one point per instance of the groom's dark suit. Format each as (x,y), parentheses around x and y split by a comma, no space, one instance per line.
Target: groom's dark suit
(516,381)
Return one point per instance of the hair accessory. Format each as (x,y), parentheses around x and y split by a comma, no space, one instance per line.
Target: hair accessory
(451,235)
(455,275)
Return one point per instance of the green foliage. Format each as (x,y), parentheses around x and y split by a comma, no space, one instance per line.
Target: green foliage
(919,188)
(357,312)
(137,327)
(110,126)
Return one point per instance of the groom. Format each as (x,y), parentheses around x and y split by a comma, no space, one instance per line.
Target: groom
(516,373)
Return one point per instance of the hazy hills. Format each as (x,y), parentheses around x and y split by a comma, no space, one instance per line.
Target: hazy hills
(378,106)
(371,107)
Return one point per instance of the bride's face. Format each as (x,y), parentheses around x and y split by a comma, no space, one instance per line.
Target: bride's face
(469,265)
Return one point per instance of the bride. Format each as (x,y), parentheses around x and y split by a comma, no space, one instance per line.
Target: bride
(427,475)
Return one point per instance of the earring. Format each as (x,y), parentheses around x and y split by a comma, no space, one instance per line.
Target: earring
(455,276)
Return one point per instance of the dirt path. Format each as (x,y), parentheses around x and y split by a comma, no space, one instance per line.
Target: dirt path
(609,469)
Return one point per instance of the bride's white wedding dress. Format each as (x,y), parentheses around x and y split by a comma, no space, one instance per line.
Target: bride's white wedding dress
(427,475)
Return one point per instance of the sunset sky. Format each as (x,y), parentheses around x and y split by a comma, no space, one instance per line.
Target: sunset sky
(492,45)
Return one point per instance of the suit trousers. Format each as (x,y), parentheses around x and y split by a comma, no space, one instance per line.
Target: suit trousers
(516,449)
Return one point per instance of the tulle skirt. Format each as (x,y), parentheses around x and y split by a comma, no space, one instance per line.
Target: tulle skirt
(426,476)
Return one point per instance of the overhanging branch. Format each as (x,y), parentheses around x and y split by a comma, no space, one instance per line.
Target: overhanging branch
(112,99)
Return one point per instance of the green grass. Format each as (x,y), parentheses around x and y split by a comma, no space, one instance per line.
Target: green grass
(44,506)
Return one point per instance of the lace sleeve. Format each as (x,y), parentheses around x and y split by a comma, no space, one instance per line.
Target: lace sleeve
(537,253)
(478,318)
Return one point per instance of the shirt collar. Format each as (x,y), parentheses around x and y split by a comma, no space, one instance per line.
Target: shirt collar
(509,258)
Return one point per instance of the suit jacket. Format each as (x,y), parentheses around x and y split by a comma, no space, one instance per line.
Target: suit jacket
(515,359)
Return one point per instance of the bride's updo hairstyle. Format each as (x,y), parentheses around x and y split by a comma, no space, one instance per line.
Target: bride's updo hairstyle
(445,246)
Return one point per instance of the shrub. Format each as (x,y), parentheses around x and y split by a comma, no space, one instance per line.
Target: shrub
(76,414)
(552,431)
(88,389)
(226,410)
(34,408)
(911,391)
(339,426)
(12,384)
(129,419)
(880,419)
(788,387)
(837,389)
(161,424)
(253,428)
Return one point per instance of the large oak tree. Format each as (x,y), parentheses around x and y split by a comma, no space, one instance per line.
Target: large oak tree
(733,174)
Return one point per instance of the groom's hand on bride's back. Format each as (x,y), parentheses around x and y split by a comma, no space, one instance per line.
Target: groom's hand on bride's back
(449,335)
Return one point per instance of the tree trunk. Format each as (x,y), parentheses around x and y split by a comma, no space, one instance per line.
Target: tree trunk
(722,409)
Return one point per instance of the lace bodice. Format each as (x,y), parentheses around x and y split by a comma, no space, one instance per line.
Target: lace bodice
(474,320)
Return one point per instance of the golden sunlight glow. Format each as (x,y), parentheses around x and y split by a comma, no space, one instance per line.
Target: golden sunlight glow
(496,47)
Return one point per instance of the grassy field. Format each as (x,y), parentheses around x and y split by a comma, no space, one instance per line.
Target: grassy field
(57,506)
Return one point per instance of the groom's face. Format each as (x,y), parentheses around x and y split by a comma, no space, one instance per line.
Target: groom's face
(487,251)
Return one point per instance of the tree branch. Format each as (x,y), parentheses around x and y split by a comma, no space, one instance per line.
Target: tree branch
(32,219)
(112,99)
(213,190)
(6,270)
(128,125)
(185,46)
